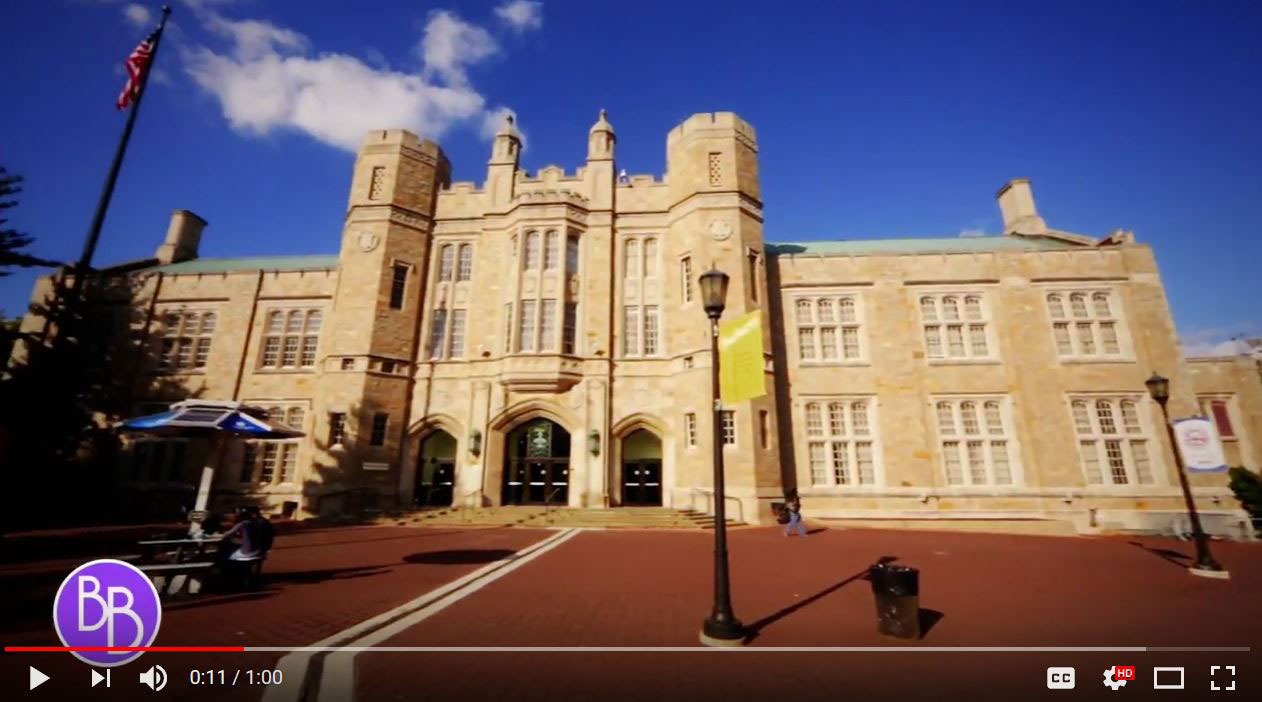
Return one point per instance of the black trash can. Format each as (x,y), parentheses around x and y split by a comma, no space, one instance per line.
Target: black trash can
(897,592)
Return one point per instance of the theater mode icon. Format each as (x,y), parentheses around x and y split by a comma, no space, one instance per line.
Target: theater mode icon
(1061,678)
(107,603)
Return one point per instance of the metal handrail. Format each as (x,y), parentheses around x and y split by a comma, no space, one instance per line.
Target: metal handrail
(709,493)
(547,504)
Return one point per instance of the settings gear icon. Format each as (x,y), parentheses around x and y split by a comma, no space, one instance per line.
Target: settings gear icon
(1111,680)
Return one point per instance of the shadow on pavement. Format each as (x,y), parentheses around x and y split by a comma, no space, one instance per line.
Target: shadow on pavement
(928,617)
(460,556)
(1180,559)
(756,628)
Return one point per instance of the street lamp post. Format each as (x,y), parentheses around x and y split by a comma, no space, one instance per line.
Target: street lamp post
(722,628)
(1159,389)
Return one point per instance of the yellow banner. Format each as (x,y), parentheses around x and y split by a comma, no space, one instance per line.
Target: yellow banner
(741,369)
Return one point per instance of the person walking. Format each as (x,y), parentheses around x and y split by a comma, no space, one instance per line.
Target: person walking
(794,507)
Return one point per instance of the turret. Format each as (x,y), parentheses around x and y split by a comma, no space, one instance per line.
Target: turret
(1016,203)
(501,171)
(599,173)
(601,140)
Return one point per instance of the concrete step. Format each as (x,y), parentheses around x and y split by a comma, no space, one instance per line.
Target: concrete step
(618,517)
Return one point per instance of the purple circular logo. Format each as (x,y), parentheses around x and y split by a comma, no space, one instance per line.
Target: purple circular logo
(107,603)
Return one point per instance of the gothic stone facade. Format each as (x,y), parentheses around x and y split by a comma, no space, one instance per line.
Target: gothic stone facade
(953,378)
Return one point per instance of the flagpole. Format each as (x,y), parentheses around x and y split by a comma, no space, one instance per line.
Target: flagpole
(98,219)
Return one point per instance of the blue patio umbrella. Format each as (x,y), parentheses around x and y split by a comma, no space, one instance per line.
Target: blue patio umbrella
(216,421)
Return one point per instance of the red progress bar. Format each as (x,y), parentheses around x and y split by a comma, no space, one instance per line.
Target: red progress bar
(122,649)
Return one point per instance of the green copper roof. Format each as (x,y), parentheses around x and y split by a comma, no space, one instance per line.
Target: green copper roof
(251,263)
(960,244)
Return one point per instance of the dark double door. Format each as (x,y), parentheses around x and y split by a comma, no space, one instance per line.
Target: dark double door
(437,486)
(536,481)
(642,482)
(537,467)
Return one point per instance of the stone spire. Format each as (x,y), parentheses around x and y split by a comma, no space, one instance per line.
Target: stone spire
(601,139)
(507,145)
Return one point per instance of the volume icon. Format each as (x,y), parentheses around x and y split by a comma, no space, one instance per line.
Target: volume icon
(155,678)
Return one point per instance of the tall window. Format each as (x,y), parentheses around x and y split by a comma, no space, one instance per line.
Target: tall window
(729,427)
(526,327)
(552,251)
(650,257)
(828,328)
(641,334)
(445,259)
(532,251)
(569,327)
(1085,323)
(186,337)
(1112,440)
(631,330)
(1218,409)
(650,330)
(457,334)
(685,279)
(269,462)
(690,429)
(337,428)
(764,429)
(752,256)
(840,445)
(464,270)
(547,325)
(291,338)
(571,255)
(437,333)
(955,325)
(398,284)
(379,422)
(631,269)
(376,183)
(508,327)
(976,441)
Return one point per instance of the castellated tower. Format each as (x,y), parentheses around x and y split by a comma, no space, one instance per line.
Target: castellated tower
(370,346)
(716,221)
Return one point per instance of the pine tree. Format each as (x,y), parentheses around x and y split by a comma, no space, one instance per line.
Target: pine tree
(11,240)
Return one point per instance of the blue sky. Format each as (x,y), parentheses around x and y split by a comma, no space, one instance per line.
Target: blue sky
(874,119)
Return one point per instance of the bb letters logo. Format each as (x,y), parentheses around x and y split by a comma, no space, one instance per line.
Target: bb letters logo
(1060,678)
(107,603)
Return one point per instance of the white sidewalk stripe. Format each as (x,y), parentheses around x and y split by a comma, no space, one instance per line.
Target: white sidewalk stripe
(337,680)
(294,666)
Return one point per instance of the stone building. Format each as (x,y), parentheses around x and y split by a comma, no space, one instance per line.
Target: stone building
(539,337)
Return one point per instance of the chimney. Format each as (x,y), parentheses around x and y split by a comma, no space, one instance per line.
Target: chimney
(1016,202)
(183,235)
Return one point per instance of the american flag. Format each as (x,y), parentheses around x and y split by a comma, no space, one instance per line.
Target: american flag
(137,64)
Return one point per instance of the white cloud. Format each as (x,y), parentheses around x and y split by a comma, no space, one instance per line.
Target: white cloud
(137,15)
(1216,341)
(450,44)
(269,78)
(521,15)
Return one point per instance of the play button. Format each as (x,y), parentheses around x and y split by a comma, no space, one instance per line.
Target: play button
(37,678)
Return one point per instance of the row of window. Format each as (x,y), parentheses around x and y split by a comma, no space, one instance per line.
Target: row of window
(977,442)
(549,245)
(958,326)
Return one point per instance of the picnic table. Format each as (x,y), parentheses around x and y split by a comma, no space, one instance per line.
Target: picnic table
(180,550)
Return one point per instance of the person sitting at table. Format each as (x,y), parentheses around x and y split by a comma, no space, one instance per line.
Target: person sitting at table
(255,534)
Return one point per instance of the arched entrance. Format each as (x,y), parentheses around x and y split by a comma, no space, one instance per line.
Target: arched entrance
(537,464)
(641,469)
(435,470)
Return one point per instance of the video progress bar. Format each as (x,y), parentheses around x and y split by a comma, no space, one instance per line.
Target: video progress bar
(749,649)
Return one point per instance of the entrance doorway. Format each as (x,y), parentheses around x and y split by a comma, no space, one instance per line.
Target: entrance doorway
(537,464)
(641,469)
(436,471)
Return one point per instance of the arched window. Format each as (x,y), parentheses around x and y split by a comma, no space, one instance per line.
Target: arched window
(632,259)
(814,423)
(445,260)
(1078,303)
(1056,306)
(928,309)
(465,270)
(650,256)
(552,252)
(532,250)
(950,309)
(1101,303)
(571,255)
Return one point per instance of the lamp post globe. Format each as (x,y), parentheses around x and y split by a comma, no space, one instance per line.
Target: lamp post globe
(714,292)
(721,628)
(1158,388)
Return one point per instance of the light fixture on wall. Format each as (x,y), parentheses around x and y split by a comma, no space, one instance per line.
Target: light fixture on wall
(475,442)
(593,442)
